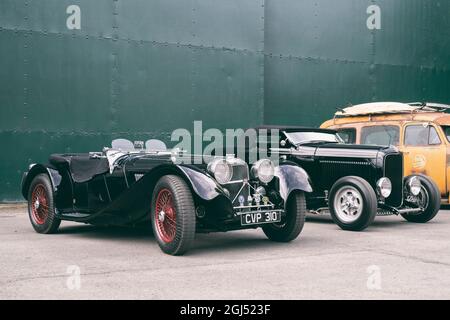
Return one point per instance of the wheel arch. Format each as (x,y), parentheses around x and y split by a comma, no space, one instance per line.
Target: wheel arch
(292,178)
(203,186)
(53,174)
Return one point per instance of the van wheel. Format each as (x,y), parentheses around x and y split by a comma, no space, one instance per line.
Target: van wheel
(428,198)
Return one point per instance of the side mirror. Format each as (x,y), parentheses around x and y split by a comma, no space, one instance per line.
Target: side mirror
(283,143)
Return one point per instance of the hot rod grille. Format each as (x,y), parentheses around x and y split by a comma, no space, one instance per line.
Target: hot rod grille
(393,169)
(333,170)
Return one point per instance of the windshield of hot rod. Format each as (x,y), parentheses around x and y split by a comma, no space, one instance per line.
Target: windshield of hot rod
(304,137)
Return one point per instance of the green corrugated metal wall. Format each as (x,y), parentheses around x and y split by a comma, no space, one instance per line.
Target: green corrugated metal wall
(141,68)
(320,55)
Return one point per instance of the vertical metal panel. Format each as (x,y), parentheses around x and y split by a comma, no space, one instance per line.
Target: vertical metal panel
(227,88)
(325,29)
(12,80)
(69,84)
(23,148)
(234,24)
(318,57)
(414,33)
(142,68)
(50,16)
(14,14)
(321,55)
(156,20)
(411,84)
(135,68)
(307,91)
(231,24)
(154,87)
(222,88)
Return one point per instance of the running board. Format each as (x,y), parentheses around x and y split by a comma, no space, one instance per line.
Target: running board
(74,216)
(380,212)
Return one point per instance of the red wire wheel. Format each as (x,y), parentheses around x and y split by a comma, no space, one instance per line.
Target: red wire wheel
(165,216)
(39,204)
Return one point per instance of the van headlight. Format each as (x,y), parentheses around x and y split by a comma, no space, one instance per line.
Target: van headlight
(414,185)
(263,170)
(384,187)
(221,170)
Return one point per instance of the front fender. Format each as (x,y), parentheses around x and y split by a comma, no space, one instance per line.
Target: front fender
(292,178)
(55,177)
(203,185)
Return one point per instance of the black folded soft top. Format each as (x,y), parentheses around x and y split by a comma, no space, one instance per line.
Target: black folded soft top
(82,166)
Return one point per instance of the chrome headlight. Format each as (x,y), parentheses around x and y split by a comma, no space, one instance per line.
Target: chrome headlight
(384,187)
(221,170)
(414,185)
(263,170)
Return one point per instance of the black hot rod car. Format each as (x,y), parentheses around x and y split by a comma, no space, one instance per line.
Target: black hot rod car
(353,182)
(131,183)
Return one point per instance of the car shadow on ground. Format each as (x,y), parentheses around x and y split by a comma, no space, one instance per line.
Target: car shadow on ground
(108,232)
(214,242)
(379,223)
(228,241)
(240,241)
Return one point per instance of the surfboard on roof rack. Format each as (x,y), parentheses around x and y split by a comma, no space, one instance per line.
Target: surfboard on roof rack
(377,108)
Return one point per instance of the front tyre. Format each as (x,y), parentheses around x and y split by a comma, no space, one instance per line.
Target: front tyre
(292,223)
(353,203)
(428,199)
(41,207)
(173,215)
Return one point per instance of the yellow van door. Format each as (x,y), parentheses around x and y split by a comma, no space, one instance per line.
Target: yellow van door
(425,152)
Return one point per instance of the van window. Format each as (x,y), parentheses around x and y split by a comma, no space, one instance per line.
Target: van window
(434,137)
(348,135)
(380,135)
(447,132)
(421,135)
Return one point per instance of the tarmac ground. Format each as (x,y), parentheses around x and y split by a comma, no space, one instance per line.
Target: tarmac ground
(392,259)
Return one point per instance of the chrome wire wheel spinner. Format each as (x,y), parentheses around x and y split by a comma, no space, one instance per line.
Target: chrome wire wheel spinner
(348,204)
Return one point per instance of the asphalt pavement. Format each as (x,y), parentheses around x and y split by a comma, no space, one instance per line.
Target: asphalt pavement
(392,259)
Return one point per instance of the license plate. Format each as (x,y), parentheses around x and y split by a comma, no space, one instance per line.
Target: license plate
(260,218)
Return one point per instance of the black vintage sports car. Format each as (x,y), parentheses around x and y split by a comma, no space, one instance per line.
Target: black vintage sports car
(131,183)
(354,182)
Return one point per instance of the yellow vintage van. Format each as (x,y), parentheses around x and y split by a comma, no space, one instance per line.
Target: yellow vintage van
(420,130)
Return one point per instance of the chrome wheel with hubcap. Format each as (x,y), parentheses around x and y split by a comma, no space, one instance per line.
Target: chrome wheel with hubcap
(348,204)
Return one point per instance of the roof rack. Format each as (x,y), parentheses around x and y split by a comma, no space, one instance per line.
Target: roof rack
(430,106)
(380,108)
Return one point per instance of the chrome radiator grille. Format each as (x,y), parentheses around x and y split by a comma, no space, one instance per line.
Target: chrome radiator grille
(240,174)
